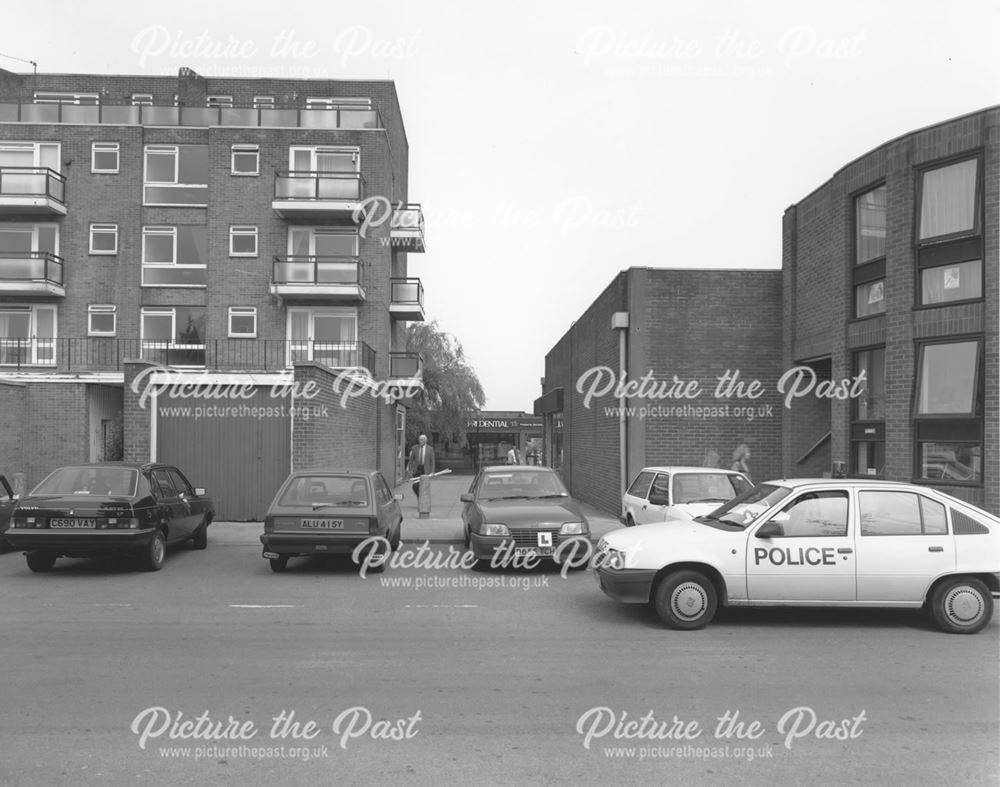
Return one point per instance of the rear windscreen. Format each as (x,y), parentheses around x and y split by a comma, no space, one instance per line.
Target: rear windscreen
(325,490)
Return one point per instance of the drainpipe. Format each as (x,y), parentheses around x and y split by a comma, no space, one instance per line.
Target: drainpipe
(619,322)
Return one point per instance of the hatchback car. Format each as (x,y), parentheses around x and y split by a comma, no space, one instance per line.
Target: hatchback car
(331,512)
(813,542)
(110,508)
(661,493)
(517,512)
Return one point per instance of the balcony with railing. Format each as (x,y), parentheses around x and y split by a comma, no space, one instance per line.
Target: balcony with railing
(32,190)
(310,194)
(31,273)
(407,229)
(406,368)
(406,299)
(350,118)
(109,354)
(327,278)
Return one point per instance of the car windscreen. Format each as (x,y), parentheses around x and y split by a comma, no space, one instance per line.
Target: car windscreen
(707,487)
(743,509)
(520,484)
(102,481)
(325,490)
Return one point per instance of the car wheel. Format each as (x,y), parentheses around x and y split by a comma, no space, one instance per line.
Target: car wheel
(685,600)
(962,606)
(40,562)
(629,521)
(200,538)
(155,552)
(380,567)
(279,564)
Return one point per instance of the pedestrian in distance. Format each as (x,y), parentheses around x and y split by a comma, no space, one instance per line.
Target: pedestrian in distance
(421,462)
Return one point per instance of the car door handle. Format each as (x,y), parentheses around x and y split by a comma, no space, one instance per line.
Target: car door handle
(844,550)
(935,549)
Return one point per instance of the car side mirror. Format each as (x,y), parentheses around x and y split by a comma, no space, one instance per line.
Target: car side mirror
(770,530)
(397,497)
(199,491)
(657,499)
(468,497)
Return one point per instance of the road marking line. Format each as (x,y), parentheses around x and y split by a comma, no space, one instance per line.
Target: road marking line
(265,606)
(440,606)
(112,605)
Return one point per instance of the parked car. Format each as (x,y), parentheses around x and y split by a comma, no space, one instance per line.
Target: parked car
(110,508)
(661,493)
(522,511)
(813,542)
(7,502)
(331,512)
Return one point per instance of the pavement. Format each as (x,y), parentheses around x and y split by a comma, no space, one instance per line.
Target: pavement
(444,525)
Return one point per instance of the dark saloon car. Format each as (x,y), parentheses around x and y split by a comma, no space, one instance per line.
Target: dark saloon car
(517,512)
(331,512)
(110,508)
(7,503)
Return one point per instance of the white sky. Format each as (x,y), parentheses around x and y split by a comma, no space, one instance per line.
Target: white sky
(553,144)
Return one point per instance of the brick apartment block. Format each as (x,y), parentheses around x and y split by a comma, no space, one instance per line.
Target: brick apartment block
(890,268)
(234,232)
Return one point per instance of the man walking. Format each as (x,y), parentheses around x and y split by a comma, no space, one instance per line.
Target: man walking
(421,462)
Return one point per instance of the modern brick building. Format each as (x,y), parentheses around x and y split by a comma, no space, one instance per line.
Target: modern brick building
(884,321)
(249,236)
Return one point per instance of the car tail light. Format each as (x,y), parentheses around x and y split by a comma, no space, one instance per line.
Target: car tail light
(122,523)
(372,524)
(29,521)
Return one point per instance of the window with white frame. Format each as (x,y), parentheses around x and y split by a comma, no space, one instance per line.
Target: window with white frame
(15,155)
(316,254)
(173,336)
(219,101)
(242,322)
(30,252)
(242,241)
(104,158)
(263,102)
(27,334)
(325,335)
(322,102)
(175,256)
(175,175)
(325,172)
(142,99)
(245,160)
(102,319)
(103,238)
(51,97)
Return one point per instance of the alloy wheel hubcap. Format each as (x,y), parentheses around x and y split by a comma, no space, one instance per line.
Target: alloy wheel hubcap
(963,605)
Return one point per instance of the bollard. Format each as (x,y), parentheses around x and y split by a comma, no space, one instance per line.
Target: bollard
(424,500)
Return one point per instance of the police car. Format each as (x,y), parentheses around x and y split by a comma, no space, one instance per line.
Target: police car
(813,542)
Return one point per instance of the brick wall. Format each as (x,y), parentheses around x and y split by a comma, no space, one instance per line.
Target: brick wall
(13,415)
(818,258)
(343,436)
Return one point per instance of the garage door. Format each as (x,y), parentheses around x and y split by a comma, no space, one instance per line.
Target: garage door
(239,450)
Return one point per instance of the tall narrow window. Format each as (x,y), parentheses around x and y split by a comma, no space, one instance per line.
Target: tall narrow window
(949,411)
(868,276)
(868,422)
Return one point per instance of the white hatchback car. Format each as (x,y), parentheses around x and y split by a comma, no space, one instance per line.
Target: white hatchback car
(661,493)
(813,542)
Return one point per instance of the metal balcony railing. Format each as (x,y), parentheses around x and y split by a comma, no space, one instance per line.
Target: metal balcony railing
(32,182)
(107,353)
(334,117)
(308,185)
(320,270)
(405,365)
(31,266)
(406,292)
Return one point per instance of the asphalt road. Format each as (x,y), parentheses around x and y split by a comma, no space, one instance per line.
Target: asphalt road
(506,677)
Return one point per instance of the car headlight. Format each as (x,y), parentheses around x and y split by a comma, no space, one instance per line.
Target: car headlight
(573,529)
(613,559)
(495,530)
